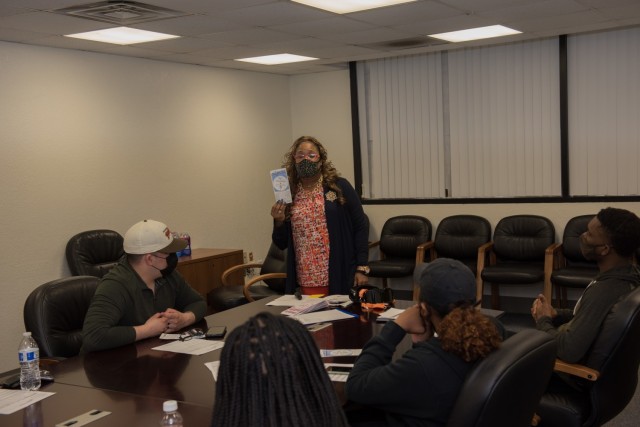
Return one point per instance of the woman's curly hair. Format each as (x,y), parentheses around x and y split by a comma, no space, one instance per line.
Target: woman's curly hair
(468,333)
(329,173)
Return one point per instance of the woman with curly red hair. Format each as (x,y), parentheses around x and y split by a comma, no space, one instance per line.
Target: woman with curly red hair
(449,334)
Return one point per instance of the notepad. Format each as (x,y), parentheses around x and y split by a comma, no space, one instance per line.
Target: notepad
(308,306)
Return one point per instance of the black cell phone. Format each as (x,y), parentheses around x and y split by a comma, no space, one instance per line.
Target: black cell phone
(339,369)
(215,332)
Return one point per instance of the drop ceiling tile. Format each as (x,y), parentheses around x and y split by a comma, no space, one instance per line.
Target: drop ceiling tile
(51,23)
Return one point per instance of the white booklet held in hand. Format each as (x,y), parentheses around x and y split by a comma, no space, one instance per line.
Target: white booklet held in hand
(280,183)
(308,306)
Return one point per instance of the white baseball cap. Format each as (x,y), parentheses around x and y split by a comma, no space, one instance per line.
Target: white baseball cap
(149,236)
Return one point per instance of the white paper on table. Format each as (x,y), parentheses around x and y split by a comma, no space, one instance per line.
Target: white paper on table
(288,301)
(280,184)
(337,352)
(14,400)
(291,300)
(389,314)
(193,346)
(213,367)
(339,377)
(169,336)
(322,316)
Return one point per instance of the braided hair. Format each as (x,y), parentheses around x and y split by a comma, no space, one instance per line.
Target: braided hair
(271,374)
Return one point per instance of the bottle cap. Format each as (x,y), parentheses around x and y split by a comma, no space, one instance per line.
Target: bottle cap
(26,334)
(170,406)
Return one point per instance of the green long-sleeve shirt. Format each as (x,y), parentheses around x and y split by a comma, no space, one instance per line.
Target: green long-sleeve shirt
(575,333)
(123,301)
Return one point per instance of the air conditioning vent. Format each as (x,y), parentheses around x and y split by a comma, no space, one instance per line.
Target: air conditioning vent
(121,13)
(406,43)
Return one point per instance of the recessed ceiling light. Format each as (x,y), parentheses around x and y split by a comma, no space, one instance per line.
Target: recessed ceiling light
(122,36)
(476,33)
(348,6)
(283,58)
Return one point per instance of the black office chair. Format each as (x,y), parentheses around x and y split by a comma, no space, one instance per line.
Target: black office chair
(54,313)
(459,237)
(504,389)
(609,373)
(94,252)
(565,267)
(402,246)
(272,274)
(516,254)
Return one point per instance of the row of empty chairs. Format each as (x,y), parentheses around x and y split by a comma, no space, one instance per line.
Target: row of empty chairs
(522,251)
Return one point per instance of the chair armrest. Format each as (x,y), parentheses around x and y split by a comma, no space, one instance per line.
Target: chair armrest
(420,251)
(483,251)
(576,370)
(430,247)
(231,270)
(551,262)
(248,284)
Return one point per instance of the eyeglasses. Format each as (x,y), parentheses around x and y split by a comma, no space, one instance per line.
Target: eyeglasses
(158,256)
(191,333)
(309,155)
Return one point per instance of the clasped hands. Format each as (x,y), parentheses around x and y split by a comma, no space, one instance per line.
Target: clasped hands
(542,308)
(169,321)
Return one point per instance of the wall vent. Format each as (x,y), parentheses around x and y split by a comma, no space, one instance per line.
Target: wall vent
(121,13)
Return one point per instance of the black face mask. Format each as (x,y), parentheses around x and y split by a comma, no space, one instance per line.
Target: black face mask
(589,251)
(172,263)
(307,168)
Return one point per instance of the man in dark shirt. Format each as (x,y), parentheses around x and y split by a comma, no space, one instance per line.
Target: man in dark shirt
(611,239)
(143,296)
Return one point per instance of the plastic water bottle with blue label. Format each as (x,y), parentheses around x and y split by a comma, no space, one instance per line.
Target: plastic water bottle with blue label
(186,251)
(29,357)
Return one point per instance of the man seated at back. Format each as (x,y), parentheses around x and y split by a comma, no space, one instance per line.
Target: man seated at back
(611,239)
(142,296)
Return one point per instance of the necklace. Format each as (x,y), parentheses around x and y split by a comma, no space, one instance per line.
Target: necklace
(311,187)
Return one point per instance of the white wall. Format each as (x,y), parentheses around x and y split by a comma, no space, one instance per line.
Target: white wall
(100,141)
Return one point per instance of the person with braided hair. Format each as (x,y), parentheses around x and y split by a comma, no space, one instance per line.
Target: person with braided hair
(324,230)
(271,375)
(449,334)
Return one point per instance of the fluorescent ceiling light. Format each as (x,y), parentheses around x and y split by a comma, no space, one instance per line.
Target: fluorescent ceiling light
(122,36)
(476,33)
(348,6)
(283,58)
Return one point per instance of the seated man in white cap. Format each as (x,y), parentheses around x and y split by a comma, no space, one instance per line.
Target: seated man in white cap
(143,296)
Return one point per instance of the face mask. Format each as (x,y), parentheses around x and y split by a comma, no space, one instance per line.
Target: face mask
(172,263)
(589,251)
(307,168)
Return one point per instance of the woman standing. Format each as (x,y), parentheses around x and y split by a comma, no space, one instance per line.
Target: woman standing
(325,229)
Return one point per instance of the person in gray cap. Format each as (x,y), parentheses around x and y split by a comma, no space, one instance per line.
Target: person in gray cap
(449,334)
(142,296)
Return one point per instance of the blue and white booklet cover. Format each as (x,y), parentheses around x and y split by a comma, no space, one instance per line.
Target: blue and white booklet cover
(280,183)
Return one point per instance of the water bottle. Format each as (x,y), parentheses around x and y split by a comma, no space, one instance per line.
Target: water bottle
(29,357)
(177,236)
(171,415)
(187,250)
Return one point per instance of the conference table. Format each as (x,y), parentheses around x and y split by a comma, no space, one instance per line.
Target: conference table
(133,381)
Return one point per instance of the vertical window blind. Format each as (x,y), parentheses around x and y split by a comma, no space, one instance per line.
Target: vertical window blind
(478,122)
(604,113)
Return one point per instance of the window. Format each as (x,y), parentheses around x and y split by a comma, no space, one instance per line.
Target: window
(486,122)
